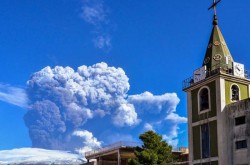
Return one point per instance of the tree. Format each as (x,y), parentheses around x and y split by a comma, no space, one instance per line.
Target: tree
(154,151)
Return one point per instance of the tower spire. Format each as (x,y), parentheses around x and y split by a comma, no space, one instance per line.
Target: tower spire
(217,50)
(215,21)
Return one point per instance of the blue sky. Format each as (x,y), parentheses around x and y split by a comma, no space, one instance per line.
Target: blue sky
(156,43)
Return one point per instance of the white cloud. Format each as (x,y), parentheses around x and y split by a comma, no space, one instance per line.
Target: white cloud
(171,140)
(148,127)
(155,103)
(126,115)
(159,113)
(176,118)
(89,141)
(96,13)
(100,113)
(172,136)
(102,42)
(156,109)
(13,95)
(38,156)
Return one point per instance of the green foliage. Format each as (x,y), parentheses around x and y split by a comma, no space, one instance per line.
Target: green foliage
(154,151)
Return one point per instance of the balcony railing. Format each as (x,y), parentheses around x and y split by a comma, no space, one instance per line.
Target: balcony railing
(217,69)
(112,147)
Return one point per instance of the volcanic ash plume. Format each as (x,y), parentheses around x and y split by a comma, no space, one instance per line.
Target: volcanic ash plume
(63,100)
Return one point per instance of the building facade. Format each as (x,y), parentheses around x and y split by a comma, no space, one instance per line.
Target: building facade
(238,131)
(218,123)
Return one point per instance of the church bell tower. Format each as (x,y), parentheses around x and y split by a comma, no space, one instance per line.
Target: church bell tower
(220,81)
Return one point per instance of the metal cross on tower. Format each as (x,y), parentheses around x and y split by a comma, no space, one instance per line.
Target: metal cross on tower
(214,5)
(215,2)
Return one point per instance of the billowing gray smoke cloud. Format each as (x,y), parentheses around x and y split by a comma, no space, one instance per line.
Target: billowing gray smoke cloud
(63,100)
(74,110)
